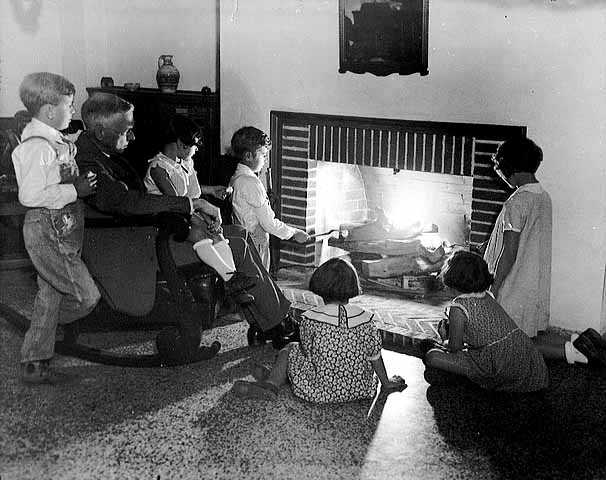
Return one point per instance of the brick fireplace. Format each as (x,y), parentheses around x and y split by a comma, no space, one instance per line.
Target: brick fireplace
(301,140)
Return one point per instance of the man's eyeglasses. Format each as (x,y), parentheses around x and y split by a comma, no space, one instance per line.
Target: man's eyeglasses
(129,133)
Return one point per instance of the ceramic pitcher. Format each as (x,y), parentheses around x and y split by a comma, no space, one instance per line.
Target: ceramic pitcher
(168,75)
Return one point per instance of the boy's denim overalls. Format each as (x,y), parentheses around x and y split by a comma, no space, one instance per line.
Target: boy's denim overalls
(67,292)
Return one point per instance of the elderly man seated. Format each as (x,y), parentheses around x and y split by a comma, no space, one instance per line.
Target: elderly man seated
(121,192)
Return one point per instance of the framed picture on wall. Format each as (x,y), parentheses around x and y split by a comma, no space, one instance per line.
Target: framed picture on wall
(383,36)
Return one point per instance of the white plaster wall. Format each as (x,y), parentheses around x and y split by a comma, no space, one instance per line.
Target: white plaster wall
(87,39)
(524,62)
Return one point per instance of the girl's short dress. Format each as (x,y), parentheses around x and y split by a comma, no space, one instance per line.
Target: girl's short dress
(182,175)
(332,363)
(500,356)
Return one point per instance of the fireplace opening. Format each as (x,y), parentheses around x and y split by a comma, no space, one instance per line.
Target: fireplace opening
(390,222)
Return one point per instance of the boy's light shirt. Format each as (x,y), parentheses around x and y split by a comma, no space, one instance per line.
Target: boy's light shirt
(37,168)
(251,205)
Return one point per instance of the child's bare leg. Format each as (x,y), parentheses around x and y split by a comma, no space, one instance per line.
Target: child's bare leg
(279,372)
(442,361)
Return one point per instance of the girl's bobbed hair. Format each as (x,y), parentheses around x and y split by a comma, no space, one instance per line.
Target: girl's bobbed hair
(466,272)
(335,280)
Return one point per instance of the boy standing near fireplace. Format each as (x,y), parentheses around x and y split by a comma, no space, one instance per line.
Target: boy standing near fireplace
(251,207)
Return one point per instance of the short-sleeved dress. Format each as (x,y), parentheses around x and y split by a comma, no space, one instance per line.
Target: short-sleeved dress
(181,173)
(332,363)
(525,292)
(500,356)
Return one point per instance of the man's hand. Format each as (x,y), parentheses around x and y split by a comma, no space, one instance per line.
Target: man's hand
(301,237)
(85,184)
(208,208)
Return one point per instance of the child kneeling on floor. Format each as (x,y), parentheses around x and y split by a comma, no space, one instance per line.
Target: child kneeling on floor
(483,343)
(339,352)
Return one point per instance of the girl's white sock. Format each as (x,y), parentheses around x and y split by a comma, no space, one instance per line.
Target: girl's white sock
(572,354)
(207,253)
(224,251)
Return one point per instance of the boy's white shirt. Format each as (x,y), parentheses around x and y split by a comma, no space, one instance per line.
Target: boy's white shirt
(251,205)
(37,169)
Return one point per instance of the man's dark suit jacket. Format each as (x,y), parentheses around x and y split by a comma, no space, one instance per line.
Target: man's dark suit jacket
(119,188)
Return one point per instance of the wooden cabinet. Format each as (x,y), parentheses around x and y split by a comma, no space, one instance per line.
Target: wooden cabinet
(153,110)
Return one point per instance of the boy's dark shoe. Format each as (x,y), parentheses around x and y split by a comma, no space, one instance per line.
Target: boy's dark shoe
(255,336)
(41,373)
(280,336)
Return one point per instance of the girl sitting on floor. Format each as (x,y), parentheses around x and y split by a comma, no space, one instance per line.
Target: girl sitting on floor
(339,351)
(483,343)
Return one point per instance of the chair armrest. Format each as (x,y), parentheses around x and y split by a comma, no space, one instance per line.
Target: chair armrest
(169,224)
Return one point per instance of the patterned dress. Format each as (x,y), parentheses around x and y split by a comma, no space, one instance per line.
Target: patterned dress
(500,356)
(332,363)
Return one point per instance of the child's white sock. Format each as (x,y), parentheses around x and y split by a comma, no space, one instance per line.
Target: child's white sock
(207,253)
(572,354)
(224,251)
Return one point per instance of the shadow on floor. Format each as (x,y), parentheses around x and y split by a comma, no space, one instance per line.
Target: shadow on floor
(273,439)
(559,433)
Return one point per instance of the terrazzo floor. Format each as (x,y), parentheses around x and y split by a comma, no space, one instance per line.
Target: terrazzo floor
(183,423)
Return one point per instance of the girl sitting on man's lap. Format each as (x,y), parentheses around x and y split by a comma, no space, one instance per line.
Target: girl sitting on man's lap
(339,351)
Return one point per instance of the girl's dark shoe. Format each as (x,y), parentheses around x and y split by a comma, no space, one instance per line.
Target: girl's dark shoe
(595,338)
(595,354)
(239,282)
(242,298)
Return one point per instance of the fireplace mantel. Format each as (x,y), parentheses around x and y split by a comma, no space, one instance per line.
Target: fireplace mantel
(302,139)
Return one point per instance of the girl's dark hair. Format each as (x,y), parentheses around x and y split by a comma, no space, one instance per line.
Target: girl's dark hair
(182,128)
(466,272)
(335,280)
(519,155)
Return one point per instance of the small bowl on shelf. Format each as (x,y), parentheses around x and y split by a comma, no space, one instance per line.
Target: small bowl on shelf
(131,86)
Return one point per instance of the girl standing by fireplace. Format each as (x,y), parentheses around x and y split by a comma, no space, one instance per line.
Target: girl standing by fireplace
(519,250)
(339,352)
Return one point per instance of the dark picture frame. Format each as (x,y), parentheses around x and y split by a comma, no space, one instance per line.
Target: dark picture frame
(383,36)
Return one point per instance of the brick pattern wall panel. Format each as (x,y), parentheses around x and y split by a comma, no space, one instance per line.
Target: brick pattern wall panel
(489,192)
